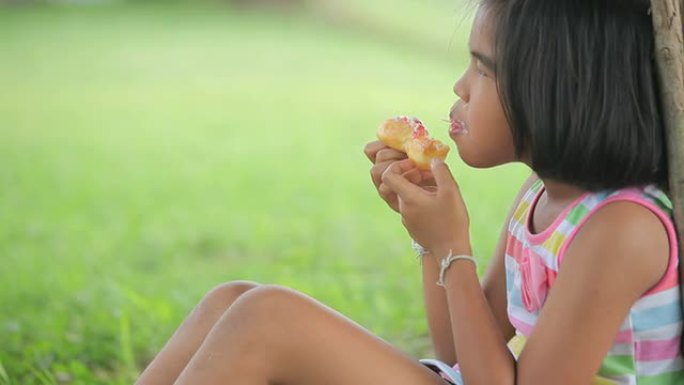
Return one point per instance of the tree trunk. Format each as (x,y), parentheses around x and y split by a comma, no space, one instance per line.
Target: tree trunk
(667,24)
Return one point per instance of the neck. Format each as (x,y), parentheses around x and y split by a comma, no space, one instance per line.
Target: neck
(559,192)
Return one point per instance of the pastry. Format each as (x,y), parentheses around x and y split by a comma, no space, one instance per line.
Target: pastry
(409,135)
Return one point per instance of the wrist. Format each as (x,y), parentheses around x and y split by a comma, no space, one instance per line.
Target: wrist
(455,247)
(450,259)
(420,250)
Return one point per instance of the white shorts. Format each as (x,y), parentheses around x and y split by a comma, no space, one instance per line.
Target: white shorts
(448,373)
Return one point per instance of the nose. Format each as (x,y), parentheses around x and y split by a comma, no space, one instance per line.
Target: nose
(461,89)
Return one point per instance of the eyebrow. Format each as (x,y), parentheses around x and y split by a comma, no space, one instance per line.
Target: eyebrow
(485,60)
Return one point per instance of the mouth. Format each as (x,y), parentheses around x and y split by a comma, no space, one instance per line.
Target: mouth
(457,127)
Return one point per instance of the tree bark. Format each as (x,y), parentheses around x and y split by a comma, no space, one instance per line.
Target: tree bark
(669,55)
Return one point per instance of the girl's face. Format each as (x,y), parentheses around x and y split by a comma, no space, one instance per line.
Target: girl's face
(478,123)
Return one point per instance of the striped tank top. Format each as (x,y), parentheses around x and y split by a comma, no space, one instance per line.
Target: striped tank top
(646,349)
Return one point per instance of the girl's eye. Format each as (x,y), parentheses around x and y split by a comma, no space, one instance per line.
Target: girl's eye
(479,70)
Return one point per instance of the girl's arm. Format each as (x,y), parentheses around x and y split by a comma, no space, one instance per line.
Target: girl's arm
(619,254)
(493,286)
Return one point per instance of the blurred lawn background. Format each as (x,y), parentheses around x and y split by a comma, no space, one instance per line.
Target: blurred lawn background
(152,150)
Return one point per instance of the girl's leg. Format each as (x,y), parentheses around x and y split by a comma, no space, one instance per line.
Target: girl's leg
(273,335)
(173,358)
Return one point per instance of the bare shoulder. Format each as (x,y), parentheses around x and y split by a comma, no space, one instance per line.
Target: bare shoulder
(617,255)
(625,237)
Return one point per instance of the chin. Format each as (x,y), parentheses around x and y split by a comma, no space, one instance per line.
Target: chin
(480,162)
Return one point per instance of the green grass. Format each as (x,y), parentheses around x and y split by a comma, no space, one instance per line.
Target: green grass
(151,153)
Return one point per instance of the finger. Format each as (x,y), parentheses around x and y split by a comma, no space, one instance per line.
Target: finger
(371,149)
(427,178)
(379,167)
(389,154)
(444,179)
(416,176)
(388,196)
(405,164)
(376,172)
(413,176)
(393,178)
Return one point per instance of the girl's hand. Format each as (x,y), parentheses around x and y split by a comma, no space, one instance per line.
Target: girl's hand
(435,218)
(382,157)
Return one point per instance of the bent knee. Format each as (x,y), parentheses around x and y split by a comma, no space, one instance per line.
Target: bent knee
(275,302)
(223,295)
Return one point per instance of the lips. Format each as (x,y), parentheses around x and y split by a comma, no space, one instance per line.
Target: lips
(458,128)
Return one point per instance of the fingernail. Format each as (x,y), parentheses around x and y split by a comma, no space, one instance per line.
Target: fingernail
(436,161)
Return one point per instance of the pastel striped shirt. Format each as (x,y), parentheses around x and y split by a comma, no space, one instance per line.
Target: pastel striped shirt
(646,349)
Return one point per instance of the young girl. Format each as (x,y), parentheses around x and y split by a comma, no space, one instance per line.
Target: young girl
(583,288)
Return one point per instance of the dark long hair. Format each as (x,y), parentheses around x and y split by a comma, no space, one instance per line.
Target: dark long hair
(577,80)
(578,83)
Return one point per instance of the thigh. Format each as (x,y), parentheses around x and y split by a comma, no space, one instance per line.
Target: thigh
(290,338)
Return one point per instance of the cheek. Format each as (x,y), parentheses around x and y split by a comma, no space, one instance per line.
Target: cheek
(485,111)
(489,142)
